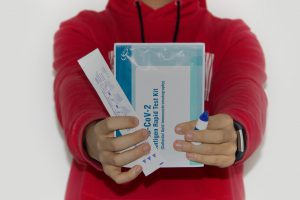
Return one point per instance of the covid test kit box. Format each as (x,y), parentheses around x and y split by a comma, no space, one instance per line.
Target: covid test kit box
(164,82)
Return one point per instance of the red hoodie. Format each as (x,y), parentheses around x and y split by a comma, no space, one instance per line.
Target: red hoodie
(234,87)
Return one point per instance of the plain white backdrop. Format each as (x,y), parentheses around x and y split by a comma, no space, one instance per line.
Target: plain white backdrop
(34,163)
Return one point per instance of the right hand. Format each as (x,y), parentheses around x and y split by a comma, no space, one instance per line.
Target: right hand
(105,148)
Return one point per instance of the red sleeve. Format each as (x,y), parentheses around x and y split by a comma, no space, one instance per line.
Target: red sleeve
(77,104)
(238,84)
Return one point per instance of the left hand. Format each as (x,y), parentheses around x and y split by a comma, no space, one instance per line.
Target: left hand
(218,142)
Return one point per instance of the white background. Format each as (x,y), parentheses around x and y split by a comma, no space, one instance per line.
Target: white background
(34,163)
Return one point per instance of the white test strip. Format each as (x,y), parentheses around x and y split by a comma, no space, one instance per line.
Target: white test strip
(117,104)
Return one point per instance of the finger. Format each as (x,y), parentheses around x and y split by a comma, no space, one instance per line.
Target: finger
(121,159)
(206,149)
(116,123)
(185,127)
(211,136)
(124,142)
(122,177)
(219,121)
(218,161)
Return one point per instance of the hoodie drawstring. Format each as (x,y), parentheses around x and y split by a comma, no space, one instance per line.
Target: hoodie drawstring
(139,9)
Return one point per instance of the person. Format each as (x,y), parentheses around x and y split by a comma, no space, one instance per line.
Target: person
(235,94)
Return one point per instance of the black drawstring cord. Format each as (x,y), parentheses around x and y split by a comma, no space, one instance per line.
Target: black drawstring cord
(177,22)
(142,22)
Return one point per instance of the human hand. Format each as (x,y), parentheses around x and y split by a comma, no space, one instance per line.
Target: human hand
(218,143)
(105,148)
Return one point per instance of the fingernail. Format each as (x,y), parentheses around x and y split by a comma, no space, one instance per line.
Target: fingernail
(136,121)
(189,136)
(178,129)
(190,155)
(178,145)
(146,148)
(138,169)
(146,133)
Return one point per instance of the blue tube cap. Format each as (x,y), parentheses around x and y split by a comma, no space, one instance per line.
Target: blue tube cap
(204,117)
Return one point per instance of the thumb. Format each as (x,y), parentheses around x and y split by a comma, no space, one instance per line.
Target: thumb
(219,121)
(185,127)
